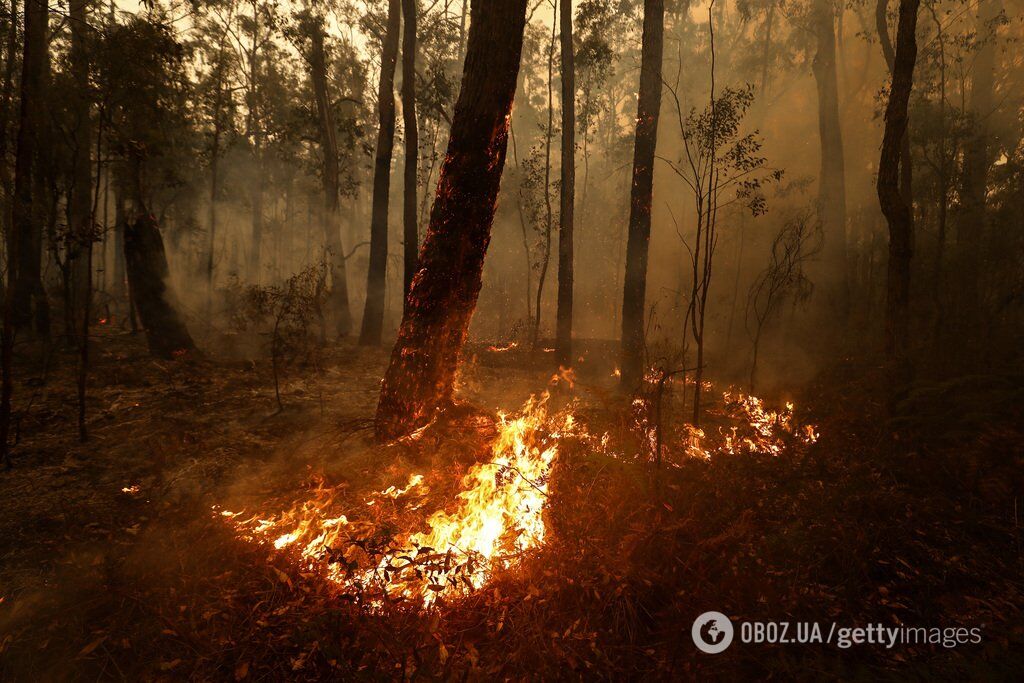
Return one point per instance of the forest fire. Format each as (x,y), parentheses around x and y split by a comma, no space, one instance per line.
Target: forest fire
(498,517)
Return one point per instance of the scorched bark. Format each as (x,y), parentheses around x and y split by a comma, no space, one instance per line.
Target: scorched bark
(444,291)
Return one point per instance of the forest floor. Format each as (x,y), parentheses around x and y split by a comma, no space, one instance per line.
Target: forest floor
(115,565)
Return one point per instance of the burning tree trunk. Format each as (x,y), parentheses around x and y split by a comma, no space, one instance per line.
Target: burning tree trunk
(563,336)
(832,179)
(338,299)
(895,206)
(444,291)
(648,107)
(409,219)
(146,263)
(376,276)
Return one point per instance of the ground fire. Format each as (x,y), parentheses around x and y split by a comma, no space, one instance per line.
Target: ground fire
(511,340)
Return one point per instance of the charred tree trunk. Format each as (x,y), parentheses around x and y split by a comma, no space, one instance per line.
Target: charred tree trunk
(409,215)
(146,263)
(977,159)
(832,178)
(906,171)
(420,378)
(376,276)
(563,335)
(337,303)
(80,194)
(648,106)
(895,206)
(25,241)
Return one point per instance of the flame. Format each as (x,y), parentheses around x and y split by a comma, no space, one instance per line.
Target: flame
(564,374)
(503,349)
(498,516)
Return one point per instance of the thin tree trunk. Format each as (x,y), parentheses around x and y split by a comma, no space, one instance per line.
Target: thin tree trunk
(906,166)
(337,305)
(894,205)
(376,276)
(974,183)
(648,106)
(410,222)
(549,212)
(563,322)
(832,178)
(81,209)
(420,378)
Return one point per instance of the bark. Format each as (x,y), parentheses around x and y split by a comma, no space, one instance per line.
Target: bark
(80,214)
(146,263)
(648,106)
(894,205)
(832,177)
(409,217)
(563,322)
(337,302)
(25,240)
(376,276)
(977,157)
(444,292)
(906,165)
(118,289)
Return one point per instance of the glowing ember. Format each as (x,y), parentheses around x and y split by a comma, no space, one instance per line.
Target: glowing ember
(499,516)
(503,349)
(130,490)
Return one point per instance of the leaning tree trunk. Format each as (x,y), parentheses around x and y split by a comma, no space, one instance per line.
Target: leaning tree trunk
(895,207)
(337,303)
(648,106)
(832,179)
(409,220)
(376,276)
(444,291)
(563,320)
(146,263)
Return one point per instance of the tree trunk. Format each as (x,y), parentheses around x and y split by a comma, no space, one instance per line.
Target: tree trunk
(80,194)
(832,178)
(648,106)
(337,303)
(376,276)
(146,263)
(894,205)
(420,378)
(25,241)
(563,335)
(906,165)
(977,158)
(411,227)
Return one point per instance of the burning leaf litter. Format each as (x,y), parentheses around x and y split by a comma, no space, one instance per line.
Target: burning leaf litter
(498,518)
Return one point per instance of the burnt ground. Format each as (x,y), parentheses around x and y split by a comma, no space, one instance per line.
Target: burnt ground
(912,519)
